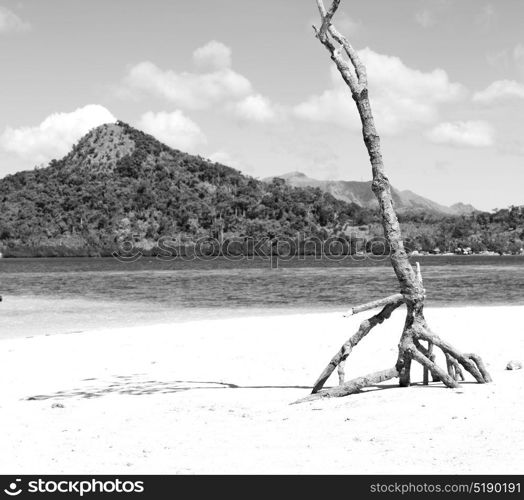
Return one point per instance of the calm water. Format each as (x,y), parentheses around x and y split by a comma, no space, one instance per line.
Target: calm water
(65,295)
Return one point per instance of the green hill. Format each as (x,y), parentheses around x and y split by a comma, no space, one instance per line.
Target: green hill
(118,181)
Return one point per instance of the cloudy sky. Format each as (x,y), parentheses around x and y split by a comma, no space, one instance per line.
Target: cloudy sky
(246,83)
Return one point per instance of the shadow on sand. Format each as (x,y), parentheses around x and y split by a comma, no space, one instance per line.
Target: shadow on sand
(129,385)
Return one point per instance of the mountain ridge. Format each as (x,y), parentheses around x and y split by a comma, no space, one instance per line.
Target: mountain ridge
(360,192)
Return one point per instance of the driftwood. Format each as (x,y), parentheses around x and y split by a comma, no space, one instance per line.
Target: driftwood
(352,386)
(392,299)
(412,292)
(341,356)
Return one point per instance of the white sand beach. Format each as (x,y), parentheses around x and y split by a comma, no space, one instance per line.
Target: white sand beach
(213,397)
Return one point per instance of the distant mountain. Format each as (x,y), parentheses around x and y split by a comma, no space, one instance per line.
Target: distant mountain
(361,194)
(463,208)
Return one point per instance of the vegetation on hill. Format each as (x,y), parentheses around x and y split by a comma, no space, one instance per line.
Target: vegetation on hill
(119,182)
(501,231)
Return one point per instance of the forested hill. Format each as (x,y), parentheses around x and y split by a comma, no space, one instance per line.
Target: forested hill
(119,181)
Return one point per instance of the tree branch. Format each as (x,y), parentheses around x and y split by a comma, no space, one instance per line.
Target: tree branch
(360,69)
(322,35)
(358,84)
(326,16)
(397,298)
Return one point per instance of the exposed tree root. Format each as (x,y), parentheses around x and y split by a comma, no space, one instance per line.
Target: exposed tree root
(410,348)
(472,363)
(454,369)
(341,373)
(352,386)
(428,352)
(435,370)
(340,357)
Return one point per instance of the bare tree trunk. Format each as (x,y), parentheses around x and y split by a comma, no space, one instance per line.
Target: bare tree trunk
(412,292)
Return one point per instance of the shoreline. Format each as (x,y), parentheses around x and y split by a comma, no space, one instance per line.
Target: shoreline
(174,317)
(200,397)
(249,257)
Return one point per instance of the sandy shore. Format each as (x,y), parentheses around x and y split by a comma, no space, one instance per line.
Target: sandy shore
(212,397)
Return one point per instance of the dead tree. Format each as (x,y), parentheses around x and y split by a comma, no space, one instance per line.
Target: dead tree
(412,293)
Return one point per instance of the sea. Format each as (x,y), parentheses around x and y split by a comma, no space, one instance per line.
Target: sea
(47,296)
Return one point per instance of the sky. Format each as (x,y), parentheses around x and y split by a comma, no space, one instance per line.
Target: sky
(246,83)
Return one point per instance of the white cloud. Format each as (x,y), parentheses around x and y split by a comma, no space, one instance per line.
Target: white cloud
(501,89)
(55,135)
(215,84)
(348,26)
(500,59)
(214,55)
(223,157)
(255,108)
(332,106)
(188,90)
(11,23)
(425,18)
(432,12)
(487,17)
(191,90)
(507,59)
(174,129)
(401,96)
(471,133)
(518,58)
